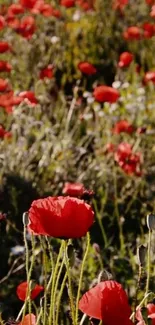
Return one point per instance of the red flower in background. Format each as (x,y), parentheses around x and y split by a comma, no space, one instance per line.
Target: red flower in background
(22,291)
(152,13)
(27,27)
(132,33)
(15,9)
(120,4)
(29,4)
(68,3)
(8,101)
(13,22)
(149,76)
(106,94)
(129,161)
(125,59)
(61,217)
(29,319)
(5,66)
(3,85)
(29,95)
(109,148)
(47,72)
(87,68)
(74,189)
(2,22)
(149,2)
(2,131)
(85,4)
(150,312)
(4,47)
(108,302)
(149,30)
(123,126)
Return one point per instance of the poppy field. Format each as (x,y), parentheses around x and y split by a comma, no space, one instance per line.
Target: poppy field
(77,162)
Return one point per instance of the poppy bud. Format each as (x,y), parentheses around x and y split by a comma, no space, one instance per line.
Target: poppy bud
(96,248)
(151,221)
(141,254)
(25,218)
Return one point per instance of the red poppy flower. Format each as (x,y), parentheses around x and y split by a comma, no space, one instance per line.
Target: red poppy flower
(47,10)
(29,4)
(149,2)
(109,147)
(68,3)
(152,13)
(85,4)
(13,22)
(125,59)
(29,319)
(120,4)
(108,302)
(3,85)
(123,126)
(4,47)
(87,68)
(27,27)
(2,22)
(47,72)
(22,291)
(62,217)
(132,33)
(2,131)
(74,189)
(149,76)
(15,9)
(29,95)
(5,66)
(130,162)
(150,312)
(8,100)
(106,94)
(8,135)
(149,30)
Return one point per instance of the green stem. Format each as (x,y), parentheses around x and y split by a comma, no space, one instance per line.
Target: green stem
(141,304)
(52,307)
(70,292)
(148,266)
(81,276)
(27,257)
(121,238)
(57,282)
(44,245)
(59,298)
(98,216)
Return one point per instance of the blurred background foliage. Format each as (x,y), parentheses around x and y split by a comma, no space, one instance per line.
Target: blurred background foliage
(63,138)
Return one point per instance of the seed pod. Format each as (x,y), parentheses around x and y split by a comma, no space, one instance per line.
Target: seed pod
(151,221)
(25,218)
(141,254)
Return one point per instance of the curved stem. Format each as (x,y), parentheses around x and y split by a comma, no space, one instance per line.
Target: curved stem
(59,298)
(81,276)
(70,292)
(52,307)
(98,216)
(148,266)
